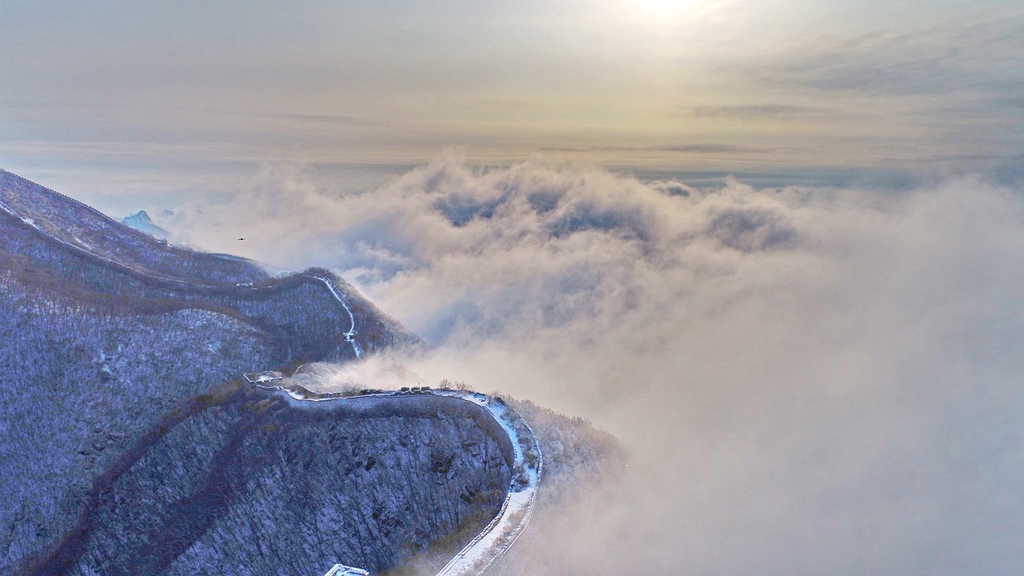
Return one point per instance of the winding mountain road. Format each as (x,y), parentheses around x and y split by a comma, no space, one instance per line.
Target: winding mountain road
(500,534)
(484,550)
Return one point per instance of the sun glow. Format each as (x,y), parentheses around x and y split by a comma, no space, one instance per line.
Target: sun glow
(662,12)
(660,9)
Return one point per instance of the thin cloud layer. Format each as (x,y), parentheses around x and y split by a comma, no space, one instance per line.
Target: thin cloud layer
(770,111)
(807,381)
(92,88)
(969,54)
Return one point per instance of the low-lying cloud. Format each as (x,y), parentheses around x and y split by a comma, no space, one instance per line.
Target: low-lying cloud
(807,381)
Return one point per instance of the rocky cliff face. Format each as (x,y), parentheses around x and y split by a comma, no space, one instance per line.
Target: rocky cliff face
(126,453)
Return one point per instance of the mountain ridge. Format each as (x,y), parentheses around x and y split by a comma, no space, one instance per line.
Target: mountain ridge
(79,226)
(146,268)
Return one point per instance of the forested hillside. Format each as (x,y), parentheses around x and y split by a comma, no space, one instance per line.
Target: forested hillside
(132,446)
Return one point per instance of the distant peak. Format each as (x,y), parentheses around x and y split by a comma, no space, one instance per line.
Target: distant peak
(143,223)
(141,216)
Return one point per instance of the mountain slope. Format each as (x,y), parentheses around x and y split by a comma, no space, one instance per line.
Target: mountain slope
(116,354)
(63,239)
(276,488)
(81,228)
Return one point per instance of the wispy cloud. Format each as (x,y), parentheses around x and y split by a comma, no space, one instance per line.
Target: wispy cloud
(972,54)
(519,103)
(327,119)
(758,111)
(696,148)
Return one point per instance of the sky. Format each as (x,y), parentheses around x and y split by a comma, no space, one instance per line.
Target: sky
(114,98)
(772,247)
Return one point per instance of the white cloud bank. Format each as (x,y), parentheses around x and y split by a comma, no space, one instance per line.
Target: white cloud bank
(808,381)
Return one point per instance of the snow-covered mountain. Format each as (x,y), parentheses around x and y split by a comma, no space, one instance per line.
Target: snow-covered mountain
(143,223)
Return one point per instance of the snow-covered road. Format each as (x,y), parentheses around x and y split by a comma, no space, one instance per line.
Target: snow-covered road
(350,335)
(500,534)
(481,553)
(497,538)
